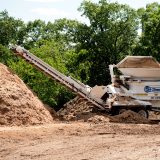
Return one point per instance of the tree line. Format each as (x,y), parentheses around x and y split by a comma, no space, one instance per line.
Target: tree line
(81,50)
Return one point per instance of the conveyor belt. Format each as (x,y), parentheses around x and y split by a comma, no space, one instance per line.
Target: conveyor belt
(74,85)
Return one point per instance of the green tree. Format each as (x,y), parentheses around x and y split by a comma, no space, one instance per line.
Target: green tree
(109,36)
(5,55)
(11,30)
(150,24)
(35,31)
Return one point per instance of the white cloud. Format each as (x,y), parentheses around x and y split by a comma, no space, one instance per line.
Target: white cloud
(50,12)
(44,1)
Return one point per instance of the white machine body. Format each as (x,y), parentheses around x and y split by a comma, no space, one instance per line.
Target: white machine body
(140,80)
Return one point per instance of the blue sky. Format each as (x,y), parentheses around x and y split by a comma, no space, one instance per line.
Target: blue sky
(49,10)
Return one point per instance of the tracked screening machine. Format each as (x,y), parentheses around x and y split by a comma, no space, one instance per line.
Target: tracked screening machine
(136,87)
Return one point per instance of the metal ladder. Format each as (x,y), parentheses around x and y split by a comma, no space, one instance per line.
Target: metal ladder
(72,84)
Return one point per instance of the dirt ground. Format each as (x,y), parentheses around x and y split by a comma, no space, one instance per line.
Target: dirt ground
(81,141)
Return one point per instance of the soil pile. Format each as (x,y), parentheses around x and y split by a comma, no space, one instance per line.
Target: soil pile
(78,109)
(129,117)
(154,115)
(18,105)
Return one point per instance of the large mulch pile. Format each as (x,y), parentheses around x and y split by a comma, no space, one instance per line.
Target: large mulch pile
(18,105)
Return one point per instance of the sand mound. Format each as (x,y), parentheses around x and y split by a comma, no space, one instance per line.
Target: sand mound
(78,109)
(18,105)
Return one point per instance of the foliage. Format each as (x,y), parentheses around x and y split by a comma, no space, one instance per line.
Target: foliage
(11,30)
(108,38)
(5,55)
(150,24)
